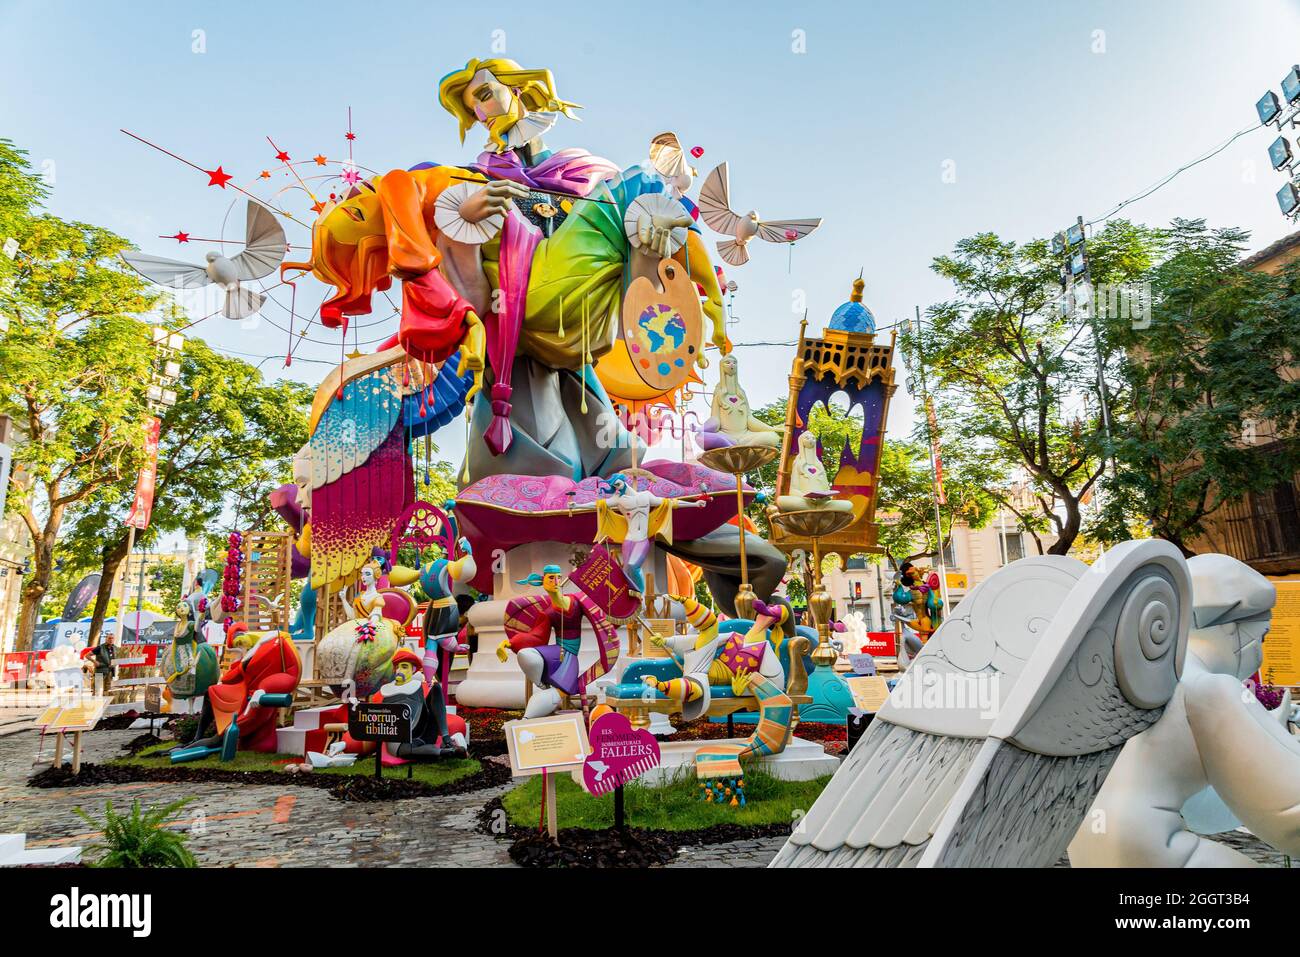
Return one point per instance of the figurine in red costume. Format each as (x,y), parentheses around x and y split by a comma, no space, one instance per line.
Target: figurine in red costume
(250,692)
(553,668)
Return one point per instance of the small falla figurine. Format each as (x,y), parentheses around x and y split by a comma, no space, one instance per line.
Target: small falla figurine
(733,421)
(809,486)
(532,621)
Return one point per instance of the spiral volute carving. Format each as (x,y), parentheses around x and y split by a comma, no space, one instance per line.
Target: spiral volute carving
(1146,639)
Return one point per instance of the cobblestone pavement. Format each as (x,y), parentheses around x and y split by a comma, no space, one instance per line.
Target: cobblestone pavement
(264,826)
(254,826)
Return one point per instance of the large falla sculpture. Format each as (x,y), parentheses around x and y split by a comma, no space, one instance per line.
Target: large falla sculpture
(540,289)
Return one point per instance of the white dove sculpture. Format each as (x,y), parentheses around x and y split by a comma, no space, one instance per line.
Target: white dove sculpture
(715,208)
(264,249)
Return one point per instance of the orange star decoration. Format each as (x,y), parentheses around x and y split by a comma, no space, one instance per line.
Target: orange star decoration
(218,177)
(320,160)
(317,206)
(265,174)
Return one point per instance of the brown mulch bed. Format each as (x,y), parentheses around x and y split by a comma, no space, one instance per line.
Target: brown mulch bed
(121,722)
(486,729)
(359,787)
(631,847)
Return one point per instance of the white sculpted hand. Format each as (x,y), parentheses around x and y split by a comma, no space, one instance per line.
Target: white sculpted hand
(493,199)
(655,232)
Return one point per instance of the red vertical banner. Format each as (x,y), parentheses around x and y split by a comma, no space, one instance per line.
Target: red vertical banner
(938,454)
(142,506)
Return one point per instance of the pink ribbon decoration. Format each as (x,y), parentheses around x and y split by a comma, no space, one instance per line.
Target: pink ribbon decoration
(519,239)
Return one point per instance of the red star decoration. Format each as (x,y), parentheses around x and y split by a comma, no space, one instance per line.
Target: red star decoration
(265,174)
(218,177)
(282,156)
(320,160)
(181,237)
(350,135)
(317,206)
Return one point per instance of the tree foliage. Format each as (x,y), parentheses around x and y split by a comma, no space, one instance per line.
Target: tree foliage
(223,447)
(1013,375)
(1206,381)
(906,500)
(73,362)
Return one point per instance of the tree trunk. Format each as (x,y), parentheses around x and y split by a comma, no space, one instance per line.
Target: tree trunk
(1070,529)
(29,611)
(35,589)
(112,561)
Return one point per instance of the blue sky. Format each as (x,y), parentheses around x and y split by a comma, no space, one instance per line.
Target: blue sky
(1043,111)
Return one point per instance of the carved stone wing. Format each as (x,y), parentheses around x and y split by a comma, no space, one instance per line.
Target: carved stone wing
(1071,668)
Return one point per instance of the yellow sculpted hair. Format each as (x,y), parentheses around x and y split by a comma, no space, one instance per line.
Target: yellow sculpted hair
(536,90)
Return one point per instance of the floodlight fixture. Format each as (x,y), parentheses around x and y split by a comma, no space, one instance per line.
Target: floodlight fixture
(1268,107)
(1291,85)
(1078,263)
(1279,153)
(1074,235)
(1058,244)
(1288,199)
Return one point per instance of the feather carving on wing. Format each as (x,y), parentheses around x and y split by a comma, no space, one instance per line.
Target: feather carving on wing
(167,272)
(786,230)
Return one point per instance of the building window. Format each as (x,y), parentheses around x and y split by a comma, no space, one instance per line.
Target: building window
(950,554)
(1013,544)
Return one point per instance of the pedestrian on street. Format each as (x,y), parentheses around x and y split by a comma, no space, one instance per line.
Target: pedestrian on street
(103,656)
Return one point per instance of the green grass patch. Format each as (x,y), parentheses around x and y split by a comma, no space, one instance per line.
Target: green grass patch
(433,773)
(673,806)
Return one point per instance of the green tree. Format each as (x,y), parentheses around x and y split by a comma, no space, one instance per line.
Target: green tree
(73,363)
(168,579)
(906,500)
(1014,376)
(223,447)
(1214,364)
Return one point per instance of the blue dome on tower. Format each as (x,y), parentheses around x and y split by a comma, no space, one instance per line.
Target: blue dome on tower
(853,316)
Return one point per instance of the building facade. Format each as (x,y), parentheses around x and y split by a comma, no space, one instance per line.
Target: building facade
(1263,529)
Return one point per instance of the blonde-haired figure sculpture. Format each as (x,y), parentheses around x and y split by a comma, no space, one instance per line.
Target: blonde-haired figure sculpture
(535,244)
(501,95)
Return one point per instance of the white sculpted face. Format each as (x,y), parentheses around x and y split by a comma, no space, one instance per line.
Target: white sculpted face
(728,369)
(302,476)
(367,578)
(1233,607)
(1234,648)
